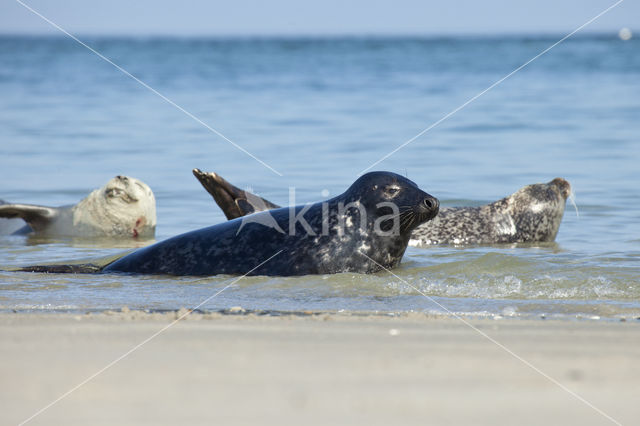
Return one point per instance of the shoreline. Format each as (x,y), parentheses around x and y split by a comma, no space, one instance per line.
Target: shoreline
(238,311)
(321,368)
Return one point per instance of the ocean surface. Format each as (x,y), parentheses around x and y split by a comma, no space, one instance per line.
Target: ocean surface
(319,112)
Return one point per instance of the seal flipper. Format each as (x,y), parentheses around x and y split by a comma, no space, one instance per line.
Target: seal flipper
(86,268)
(233,201)
(83,266)
(37,217)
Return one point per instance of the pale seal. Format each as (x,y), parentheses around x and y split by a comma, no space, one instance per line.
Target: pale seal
(531,214)
(124,207)
(363,230)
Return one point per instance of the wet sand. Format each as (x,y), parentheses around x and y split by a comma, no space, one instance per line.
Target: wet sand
(320,369)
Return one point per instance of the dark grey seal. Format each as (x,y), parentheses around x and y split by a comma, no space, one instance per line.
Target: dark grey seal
(364,229)
(124,207)
(532,214)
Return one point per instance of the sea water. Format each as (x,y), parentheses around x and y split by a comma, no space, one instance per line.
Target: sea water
(317,112)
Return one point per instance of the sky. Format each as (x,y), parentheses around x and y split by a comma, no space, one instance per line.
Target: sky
(325,17)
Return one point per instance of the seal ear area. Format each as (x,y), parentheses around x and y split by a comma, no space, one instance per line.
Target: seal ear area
(37,217)
(233,201)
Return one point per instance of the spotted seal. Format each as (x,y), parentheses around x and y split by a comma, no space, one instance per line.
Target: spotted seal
(124,207)
(531,214)
(362,230)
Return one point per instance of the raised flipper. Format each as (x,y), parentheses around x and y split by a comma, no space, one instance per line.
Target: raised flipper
(233,201)
(11,226)
(37,217)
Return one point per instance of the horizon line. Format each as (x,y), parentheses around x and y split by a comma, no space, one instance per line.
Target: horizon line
(311,35)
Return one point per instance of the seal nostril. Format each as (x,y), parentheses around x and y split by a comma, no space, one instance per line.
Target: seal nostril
(430,203)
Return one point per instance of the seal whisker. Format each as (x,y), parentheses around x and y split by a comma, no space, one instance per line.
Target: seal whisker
(572,200)
(403,211)
(407,220)
(406,224)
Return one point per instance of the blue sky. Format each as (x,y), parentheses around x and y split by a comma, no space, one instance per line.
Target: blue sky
(326,17)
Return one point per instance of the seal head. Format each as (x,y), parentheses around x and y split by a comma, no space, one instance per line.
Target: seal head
(124,206)
(537,210)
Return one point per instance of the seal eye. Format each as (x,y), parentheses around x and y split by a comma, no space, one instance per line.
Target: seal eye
(392,191)
(113,192)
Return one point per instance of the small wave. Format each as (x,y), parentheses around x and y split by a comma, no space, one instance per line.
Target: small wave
(496,275)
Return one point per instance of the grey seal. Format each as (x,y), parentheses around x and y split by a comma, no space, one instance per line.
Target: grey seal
(531,214)
(124,207)
(363,230)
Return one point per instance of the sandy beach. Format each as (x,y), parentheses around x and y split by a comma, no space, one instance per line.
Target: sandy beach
(315,369)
